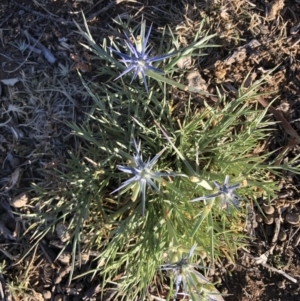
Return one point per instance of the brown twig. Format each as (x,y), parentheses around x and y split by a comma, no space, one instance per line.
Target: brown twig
(263,261)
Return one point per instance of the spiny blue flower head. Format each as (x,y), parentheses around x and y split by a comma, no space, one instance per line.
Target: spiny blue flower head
(182,270)
(191,280)
(139,61)
(225,193)
(143,175)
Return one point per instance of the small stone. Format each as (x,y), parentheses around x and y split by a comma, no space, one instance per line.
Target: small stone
(269,220)
(62,232)
(268,209)
(64,258)
(47,295)
(281,284)
(292,218)
(196,81)
(282,236)
(284,107)
(220,74)
(38,297)
(184,62)
(20,201)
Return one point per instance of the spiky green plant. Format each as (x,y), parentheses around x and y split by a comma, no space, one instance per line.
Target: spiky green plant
(206,144)
(138,59)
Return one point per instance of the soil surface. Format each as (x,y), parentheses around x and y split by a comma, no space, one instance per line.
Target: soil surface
(256,36)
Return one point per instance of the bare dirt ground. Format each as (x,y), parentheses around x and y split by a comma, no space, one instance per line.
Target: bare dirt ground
(256,36)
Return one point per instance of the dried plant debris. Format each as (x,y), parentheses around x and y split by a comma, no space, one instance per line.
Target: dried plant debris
(274,8)
(184,62)
(240,54)
(64,258)
(62,232)
(20,200)
(79,64)
(61,274)
(195,80)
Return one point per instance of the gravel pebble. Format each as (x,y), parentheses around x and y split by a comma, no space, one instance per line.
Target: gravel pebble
(38,297)
(196,81)
(292,218)
(64,258)
(62,232)
(268,220)
(184,62)
(47,295)
(282,236)
(268,209)
(20,201)
(281,284)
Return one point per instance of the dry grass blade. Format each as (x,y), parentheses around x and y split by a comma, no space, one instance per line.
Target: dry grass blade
(283,122)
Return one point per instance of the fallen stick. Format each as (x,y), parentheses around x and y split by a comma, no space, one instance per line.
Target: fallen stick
(279,272)
(263,261)
(46,52)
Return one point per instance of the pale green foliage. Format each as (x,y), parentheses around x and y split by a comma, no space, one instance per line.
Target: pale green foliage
(209,144)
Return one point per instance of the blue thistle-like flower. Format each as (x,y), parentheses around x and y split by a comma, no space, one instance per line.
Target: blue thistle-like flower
(225,193)
(184,271)
(142,175)
(139,61)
